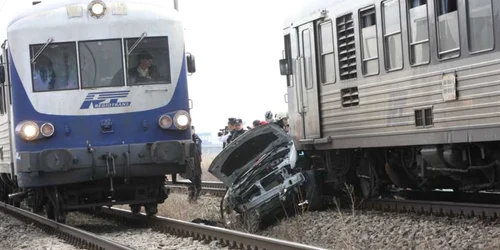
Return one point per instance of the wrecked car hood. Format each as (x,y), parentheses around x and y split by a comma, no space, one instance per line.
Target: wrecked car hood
(245,152)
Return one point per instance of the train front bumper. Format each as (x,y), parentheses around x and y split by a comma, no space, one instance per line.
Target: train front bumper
(62,166)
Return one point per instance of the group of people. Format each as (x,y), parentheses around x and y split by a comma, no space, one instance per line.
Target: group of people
(280,119)
(235,126)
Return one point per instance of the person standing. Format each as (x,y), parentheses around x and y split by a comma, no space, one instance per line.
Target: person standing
(195,187)
(238,130)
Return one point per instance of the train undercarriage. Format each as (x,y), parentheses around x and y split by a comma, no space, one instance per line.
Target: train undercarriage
(376,171)
(57,201)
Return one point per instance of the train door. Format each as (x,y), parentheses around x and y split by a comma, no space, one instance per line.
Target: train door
(307,87)
(6,132)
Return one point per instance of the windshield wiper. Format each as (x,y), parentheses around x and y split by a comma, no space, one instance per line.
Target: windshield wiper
(136,43)
(39,52)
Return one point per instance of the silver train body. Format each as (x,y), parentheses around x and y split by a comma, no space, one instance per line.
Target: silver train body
(408,88)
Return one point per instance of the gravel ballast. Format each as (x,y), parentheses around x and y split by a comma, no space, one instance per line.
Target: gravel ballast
(15,234)
(378,230)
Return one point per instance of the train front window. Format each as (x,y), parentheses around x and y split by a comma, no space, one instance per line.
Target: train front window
(148,62)
(101,63)
(55,68)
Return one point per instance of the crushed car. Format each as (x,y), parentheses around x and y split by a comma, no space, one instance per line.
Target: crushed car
(264,176)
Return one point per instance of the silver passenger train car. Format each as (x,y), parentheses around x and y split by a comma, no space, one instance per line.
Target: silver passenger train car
(402,92)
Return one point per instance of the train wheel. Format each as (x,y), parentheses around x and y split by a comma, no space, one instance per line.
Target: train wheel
(54,206)
(4,194)
(368,178)
(55,214)
(135,208)
(151,209)
(49,210)
(313,192)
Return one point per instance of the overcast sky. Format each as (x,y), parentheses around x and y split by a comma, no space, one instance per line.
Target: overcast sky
(237,45)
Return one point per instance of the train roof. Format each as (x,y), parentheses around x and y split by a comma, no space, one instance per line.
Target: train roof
(45,6)
(302,9)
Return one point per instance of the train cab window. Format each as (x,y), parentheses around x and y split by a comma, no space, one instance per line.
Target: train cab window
(480,25)
(327,58)
(54,67)
(418,32)
(369,52)
(148,61)
(101,63)
(447,28)
(393,46)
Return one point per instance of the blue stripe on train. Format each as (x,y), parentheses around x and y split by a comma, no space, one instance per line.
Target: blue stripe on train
(128,128)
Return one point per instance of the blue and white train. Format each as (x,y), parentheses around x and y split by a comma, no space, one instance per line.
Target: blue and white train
(94,105)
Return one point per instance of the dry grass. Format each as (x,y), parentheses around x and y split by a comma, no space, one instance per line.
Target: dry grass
(176,206)
(205,164)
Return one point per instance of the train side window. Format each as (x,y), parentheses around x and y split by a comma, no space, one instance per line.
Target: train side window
(327,58)
(480,25)
(2,99)
(369,45)
(448,29)
(391,30)
(101,63)
(306,43)
(289,62)
(418,30)
(55,57)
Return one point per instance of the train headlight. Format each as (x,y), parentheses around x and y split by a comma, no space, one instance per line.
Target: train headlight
(165,121)
(97,8)
(182,120)
(28,130)
(47,129)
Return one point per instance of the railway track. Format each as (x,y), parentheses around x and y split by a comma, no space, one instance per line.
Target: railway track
(71,235)
(435,203)
(434,207)
(86,240)
(486,205)
(231,238)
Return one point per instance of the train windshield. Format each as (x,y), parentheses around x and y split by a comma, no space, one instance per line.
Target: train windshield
(148,61)
(101,63)
(55,68)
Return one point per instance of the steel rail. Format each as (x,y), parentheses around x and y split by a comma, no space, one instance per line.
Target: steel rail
(207,187)
(71,235)
(207,184)
(433,207)
(204,190)
(203,232)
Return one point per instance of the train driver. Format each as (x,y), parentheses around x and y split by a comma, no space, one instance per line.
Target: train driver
(144,71)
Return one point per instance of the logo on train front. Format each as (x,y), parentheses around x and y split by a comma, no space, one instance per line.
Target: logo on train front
(110,99)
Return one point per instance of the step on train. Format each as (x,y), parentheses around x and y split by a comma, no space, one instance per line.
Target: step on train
(94,106)
(395,93)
